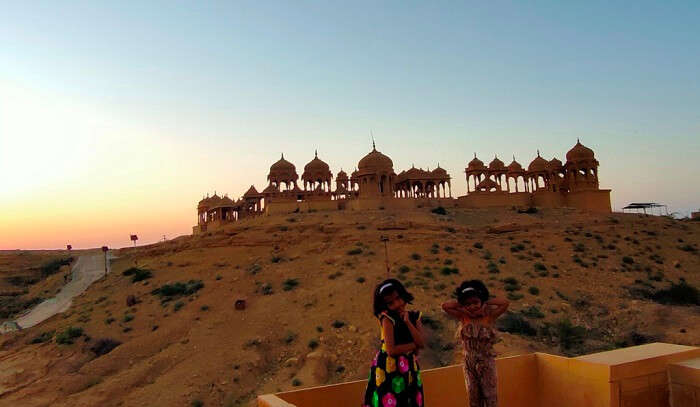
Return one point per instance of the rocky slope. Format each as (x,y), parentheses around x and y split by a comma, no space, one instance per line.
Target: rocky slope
(578,283)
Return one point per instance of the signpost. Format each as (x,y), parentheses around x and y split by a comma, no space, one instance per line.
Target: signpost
(104,250)
(134,238)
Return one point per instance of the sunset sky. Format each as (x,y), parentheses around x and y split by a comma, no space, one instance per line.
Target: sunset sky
(117,117)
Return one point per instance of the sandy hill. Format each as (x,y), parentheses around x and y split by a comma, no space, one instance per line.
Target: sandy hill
(577,282)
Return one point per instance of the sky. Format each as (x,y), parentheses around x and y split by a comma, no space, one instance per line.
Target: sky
(116,118)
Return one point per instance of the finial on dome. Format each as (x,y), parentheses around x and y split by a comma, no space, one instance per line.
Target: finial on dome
(474,154)
(282,156)
(538,152)
(316,153)
(513,157)
(578,141)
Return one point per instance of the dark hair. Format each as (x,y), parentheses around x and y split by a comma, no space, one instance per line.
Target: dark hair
(390,285)
(479,290)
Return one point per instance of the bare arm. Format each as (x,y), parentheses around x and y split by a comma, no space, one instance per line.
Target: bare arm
(497,306)
(391,348)
(454,309)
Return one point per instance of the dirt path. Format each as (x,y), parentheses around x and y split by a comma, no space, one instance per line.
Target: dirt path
(88,269)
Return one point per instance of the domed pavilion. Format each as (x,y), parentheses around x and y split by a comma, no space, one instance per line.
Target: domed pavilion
(538,173)
(375,175)
(581,168)
(516,173)
(283,175)
(317,175)
(476,171)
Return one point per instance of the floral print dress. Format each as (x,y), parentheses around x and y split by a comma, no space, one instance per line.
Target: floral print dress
(395,381)
(480,363)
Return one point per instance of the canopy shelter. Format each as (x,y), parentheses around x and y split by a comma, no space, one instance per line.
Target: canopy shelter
(643,206)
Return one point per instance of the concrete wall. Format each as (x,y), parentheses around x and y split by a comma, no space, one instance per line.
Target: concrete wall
(631,377)
(639,374)
(443,387)
(567,382)
(684,381)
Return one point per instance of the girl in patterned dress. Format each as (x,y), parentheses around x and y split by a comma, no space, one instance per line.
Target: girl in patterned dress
(394,378)
(477,315)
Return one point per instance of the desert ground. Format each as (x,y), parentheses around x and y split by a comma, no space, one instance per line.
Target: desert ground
(162,329)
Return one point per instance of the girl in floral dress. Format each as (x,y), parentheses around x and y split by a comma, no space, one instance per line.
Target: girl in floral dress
(477,314)
(394,378)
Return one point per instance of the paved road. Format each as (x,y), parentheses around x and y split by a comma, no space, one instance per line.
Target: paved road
(86,270)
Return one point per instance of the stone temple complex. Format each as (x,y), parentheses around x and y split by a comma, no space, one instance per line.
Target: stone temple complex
(375,185)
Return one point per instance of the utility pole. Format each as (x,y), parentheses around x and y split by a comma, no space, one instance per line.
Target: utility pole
(386,254)
(104,250)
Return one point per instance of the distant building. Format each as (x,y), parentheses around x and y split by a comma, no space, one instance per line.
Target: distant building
(374,184)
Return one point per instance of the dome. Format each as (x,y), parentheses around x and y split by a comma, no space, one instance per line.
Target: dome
(282,165)
(316,165)
(204,203)
(488,184)
(413,173)
(439,172)
(555,165)
(282,170)
(539,164)
(342,176)
(375,161)
(316,169)
(580,153)
(515,166)
(496,164)
(214,201)
(226,201)
(475,164)
(251,193)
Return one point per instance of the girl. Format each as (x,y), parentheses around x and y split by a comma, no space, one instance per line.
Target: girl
(394,378)
(477,314)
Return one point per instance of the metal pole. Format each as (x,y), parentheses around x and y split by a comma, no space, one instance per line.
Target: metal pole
(386,255)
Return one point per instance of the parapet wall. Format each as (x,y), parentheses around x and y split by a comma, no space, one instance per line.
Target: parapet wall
(636,376)
(494,199)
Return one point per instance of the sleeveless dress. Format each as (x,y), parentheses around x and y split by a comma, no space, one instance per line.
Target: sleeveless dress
(480,364)
(395,381)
